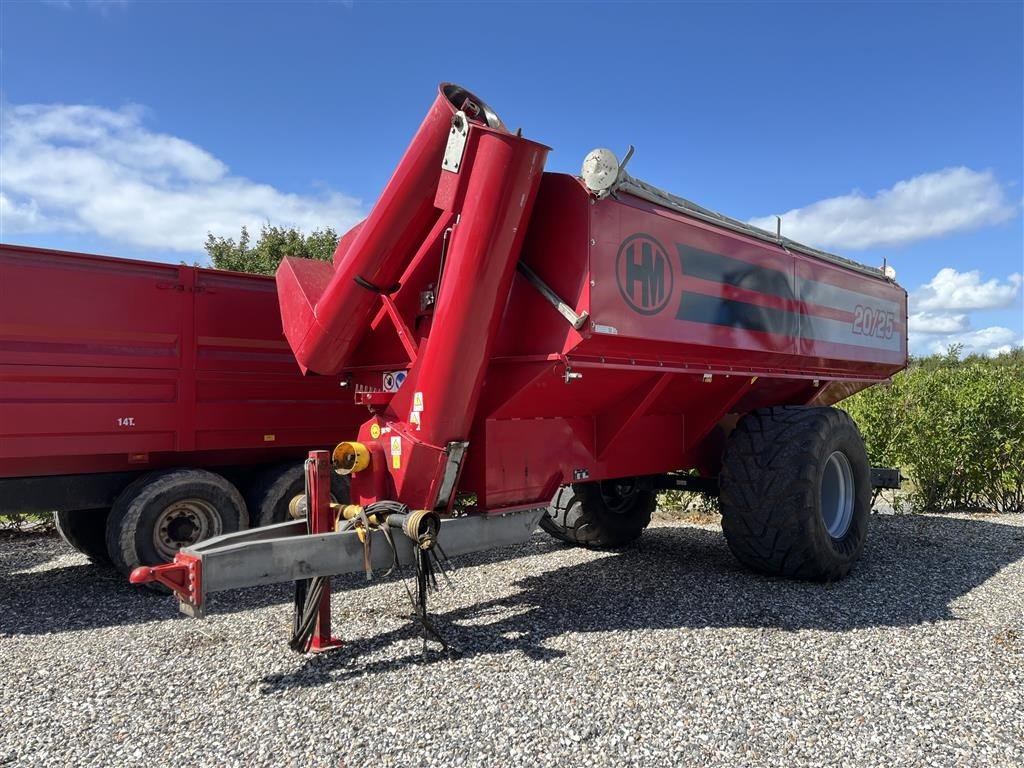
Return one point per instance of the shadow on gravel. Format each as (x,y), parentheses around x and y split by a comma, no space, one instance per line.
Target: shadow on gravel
(39,598)
(677,577)
(912,569)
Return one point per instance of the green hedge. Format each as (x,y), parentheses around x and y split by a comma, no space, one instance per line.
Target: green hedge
(955,427)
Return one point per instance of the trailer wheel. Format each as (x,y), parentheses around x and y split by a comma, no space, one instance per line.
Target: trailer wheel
(602,515)
(796,492)
(163,511)
(272,496)
(85,530)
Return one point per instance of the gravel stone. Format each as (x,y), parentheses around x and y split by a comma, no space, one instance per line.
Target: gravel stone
(666,654)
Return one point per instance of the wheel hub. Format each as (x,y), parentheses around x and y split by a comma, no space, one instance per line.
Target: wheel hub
(182,529)
(183,523)
(618,494)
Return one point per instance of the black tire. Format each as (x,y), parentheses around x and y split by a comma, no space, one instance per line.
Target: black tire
(272,493)
(779,494)
(86,531)
(171,501)
(602,515)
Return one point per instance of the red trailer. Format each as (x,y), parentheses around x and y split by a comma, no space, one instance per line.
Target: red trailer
(513,331)
(151,405)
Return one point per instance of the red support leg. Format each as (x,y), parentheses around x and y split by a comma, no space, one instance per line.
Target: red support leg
(321,520)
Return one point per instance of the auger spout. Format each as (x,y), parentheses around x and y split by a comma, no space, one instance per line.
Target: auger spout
(325,308)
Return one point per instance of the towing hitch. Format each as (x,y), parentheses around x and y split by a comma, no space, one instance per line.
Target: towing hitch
(288,552)
(183,576)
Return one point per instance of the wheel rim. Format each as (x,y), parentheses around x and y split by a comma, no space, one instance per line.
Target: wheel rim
(837,494)
(618,495)
(183,523)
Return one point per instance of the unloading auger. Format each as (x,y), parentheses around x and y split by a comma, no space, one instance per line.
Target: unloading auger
(513,332)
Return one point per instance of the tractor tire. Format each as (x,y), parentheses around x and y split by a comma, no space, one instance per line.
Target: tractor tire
(84,530)
(602,515)
(272,494)
(796,492)
(163,511)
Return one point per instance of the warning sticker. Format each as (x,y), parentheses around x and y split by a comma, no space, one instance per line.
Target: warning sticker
(396,452)
(417,402)
(392,381)
(414,418)
(375,431)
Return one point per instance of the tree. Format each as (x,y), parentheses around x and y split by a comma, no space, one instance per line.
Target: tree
(274,244)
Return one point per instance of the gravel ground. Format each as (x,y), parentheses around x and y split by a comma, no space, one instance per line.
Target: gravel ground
(667,654)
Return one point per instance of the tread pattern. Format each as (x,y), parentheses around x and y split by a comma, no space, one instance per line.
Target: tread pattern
(579,516)
(770,495)
(84,530)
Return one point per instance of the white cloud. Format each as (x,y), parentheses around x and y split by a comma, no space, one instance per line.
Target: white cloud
(939,315)
(929,205)
(989,341)
(90,169)
(20,217)
(937,322)
(951,291)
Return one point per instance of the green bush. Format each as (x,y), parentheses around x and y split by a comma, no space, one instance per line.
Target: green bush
(955,427)
(273,244)
(684,501)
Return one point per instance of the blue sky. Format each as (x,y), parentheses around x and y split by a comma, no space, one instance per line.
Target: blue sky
(883,130)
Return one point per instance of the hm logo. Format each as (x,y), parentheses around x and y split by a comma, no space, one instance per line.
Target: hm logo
(644,274)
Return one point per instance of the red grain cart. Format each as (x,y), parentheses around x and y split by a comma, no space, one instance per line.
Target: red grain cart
(513,331)
(151,405)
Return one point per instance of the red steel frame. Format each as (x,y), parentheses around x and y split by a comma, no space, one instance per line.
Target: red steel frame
(321,520)
(109,365)
(690,324)
(684,326)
